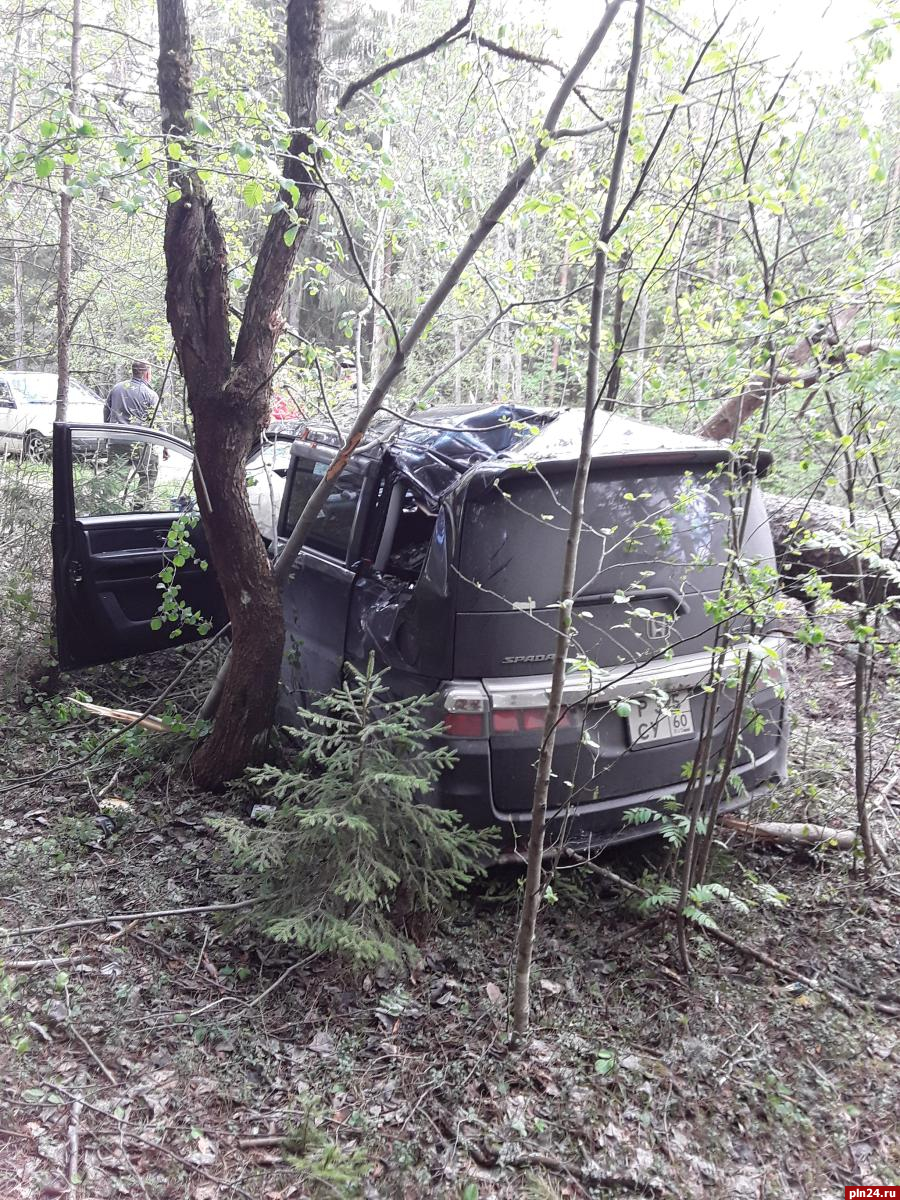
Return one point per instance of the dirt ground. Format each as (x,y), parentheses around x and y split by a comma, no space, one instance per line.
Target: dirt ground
(189,1062)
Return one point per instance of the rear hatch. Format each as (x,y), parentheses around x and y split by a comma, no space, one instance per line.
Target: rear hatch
(655,545)
(654,548)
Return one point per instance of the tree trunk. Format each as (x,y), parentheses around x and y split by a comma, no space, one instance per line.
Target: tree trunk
(245,577)
(457,370)
(641,353)
(534,881)
(554,354)
(729,416)
(614,377)
(228,392)
(64,277)
(17,276)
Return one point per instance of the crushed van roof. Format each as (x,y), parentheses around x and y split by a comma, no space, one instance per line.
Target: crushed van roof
(445,444)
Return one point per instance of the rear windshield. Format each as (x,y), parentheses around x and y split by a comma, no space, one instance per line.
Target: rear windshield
(661,528)
(334,524)
(40,388)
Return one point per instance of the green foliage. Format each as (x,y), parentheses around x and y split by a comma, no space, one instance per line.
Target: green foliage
(27,658)
(673,824)
(172,608)
(353,835)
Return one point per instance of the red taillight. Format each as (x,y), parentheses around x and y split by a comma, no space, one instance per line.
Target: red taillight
(505,720)
(518,720)
(463,724)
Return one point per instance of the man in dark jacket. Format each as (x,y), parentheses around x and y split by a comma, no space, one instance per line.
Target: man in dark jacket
(134,402)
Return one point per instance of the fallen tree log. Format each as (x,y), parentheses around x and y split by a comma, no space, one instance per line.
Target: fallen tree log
(795,833)
(821,353)
(813,537)
(124,716)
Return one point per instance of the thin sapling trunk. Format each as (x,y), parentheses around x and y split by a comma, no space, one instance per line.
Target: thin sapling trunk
(521,1008)
(64,274)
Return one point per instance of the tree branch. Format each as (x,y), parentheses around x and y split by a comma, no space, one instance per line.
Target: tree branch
(489,221)
(651,157)
(361,271)
(197,275)
(404,60)
(262,321)
(535,60)
(531,901)
(729,416)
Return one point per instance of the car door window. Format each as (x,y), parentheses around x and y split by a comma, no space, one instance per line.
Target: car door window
(6,399)
(126,473)
(333,526)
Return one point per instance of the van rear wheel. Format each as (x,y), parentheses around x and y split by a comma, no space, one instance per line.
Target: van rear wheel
(35,448)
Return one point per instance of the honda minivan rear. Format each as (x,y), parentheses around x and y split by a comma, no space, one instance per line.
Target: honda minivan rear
(451,574)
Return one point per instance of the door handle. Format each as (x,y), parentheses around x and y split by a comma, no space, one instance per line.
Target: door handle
(662,593)
(75,574)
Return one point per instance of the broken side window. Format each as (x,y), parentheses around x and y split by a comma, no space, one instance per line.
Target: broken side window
(334,524)
(411,538)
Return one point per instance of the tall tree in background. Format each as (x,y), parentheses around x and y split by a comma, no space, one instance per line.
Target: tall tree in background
(228,386)
(64,276)
(11,117)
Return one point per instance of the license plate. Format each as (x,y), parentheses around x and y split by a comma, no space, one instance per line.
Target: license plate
(650,721)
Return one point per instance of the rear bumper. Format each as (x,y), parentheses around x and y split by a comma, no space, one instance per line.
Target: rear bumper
(600,822)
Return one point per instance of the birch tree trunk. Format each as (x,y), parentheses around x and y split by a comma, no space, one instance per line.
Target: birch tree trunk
(640,356)
(12,109)
(64,277)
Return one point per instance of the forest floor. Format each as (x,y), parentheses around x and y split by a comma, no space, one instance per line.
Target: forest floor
(190,1062)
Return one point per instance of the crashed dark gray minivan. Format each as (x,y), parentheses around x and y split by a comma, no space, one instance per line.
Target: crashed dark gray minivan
(440,550)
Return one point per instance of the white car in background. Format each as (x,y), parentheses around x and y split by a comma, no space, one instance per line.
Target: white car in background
(28,408)
(267,470)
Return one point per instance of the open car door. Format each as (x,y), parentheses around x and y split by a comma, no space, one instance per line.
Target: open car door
(116,492)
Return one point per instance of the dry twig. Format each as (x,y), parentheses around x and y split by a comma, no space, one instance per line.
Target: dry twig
(116,918)
(72,1138)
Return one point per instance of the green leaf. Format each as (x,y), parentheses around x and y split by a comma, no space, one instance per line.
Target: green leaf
(253,193)
(578,245)
(201,125)
(173,194)
(290,235)
(605,1062)
(155,623)
(385,181)
(44,167)
(173,149)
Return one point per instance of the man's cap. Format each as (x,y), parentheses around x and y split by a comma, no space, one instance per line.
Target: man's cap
(139,366)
